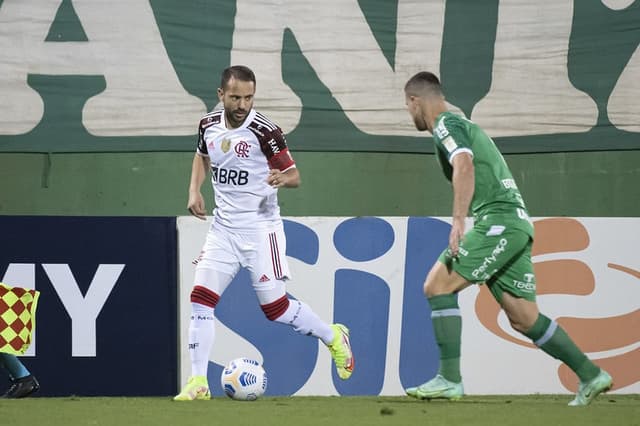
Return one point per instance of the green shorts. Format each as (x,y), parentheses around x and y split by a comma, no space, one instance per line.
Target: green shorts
(498,255)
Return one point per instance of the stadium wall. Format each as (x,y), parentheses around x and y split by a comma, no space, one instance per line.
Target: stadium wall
(98,127)
(601,184)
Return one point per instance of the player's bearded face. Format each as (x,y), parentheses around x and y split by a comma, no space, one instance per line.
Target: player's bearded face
(237,99)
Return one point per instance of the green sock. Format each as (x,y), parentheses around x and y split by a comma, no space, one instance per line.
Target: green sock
(552,339)
(447,327)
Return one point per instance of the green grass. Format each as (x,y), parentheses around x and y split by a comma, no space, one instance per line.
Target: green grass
(532,410)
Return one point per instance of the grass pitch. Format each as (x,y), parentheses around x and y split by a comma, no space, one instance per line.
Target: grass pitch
(532,410)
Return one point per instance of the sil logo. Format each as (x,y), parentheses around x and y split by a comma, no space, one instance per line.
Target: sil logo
(570,276)
(242,149)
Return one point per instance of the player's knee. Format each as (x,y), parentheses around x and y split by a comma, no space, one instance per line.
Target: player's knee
(441,281)
(435,288)
(204,296)
(428,290)
(275,309)
(431,288)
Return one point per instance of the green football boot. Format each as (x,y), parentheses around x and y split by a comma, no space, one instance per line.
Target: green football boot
(437,388)
(589,390)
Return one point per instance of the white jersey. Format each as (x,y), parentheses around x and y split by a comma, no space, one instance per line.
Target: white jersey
(240,161)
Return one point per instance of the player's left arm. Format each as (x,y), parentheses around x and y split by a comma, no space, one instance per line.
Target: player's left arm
(463,181)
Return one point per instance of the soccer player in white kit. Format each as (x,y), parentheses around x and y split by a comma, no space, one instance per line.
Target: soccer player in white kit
(249,161)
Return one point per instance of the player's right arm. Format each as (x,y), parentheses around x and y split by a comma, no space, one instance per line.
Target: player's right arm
(199,169)
(463,182)
(451,139)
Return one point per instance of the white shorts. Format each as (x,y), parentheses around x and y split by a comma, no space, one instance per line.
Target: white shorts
(262,252)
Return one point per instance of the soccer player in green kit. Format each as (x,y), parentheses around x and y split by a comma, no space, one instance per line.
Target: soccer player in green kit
(496,251)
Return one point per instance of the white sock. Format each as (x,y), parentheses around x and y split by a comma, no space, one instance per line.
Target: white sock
(201,336)
(300,316)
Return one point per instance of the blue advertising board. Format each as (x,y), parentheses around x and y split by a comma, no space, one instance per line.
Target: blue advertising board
(365,272)
(106,319)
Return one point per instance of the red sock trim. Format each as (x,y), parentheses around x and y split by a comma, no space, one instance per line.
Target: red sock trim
(275,309)
(204,296)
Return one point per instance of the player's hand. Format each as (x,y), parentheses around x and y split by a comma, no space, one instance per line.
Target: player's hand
(455,236)
(196,205)
(276,178)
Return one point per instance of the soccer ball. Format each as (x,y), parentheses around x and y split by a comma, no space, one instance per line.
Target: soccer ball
(244,379)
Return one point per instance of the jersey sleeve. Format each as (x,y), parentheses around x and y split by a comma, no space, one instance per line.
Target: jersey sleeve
(206,122)
(282,161)
(202,146)
(277,151)
(451,138)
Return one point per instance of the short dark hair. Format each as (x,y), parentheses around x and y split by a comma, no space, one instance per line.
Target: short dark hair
(239,72)
(423,83)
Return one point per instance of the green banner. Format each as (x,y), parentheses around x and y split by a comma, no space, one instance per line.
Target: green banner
(136,75)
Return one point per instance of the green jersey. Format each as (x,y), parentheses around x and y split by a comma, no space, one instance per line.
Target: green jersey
(495,192)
